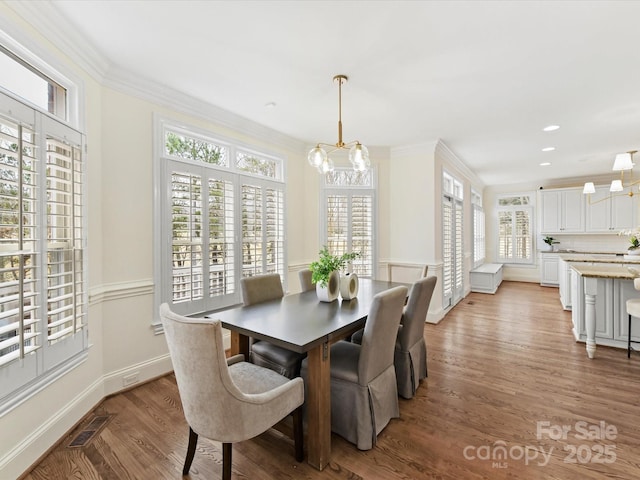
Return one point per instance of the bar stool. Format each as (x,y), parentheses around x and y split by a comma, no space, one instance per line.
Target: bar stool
(633,309)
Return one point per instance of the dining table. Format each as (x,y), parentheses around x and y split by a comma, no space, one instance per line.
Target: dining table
(301,323)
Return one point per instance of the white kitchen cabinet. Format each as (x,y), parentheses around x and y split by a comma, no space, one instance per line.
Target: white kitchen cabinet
(549,269)
(606,214)
(562,211)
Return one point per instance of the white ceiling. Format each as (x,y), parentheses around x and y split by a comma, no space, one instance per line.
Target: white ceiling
(484,77)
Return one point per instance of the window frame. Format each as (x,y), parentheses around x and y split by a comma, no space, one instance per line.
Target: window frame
(478,226)
(59,360)
(53,357)
(453,199)
(238,177)
(349,191)
(529,208)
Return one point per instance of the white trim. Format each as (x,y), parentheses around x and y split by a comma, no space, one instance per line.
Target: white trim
(120,290)
(33,53)
(55,27)
(455,161)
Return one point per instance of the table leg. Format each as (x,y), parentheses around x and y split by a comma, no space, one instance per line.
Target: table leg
(319,407)
(239,344)
(590,292)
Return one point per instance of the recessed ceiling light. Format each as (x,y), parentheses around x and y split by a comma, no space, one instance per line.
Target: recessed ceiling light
(545,164)
(548,149)
(551,128)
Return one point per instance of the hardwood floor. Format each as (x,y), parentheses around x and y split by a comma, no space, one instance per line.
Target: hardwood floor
(505,375)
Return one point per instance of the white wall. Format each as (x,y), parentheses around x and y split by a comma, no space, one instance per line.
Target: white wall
(119,129)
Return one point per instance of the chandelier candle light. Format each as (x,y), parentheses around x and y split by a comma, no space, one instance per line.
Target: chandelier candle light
(622,162)
(358,153)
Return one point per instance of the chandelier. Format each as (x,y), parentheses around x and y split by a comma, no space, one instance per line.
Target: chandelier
(622,163)
(358,153)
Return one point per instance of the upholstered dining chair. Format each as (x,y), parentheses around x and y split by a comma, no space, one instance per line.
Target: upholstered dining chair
(224,400)
(410,355)
(364,397)
(258,289)
(305,280)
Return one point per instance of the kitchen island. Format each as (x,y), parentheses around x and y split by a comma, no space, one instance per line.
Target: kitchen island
(599,293)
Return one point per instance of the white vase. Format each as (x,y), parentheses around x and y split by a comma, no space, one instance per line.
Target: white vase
(635,251)
(349,286)
(330,291)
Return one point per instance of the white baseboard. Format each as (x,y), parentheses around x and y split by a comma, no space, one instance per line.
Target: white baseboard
(135,374)
(26,453)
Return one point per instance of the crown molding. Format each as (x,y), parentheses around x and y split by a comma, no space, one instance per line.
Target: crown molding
(142,88)
(44,17)
(52,25)
(452,159)
(411,150)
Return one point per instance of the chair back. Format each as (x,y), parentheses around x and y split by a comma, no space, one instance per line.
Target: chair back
(305,280)
(261,288)
(209,396)
(380,331)
(415,313)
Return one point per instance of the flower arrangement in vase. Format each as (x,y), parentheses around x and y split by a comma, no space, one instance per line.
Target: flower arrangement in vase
(325,273)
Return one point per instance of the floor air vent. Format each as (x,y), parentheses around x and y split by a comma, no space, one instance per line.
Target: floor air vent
(88,432)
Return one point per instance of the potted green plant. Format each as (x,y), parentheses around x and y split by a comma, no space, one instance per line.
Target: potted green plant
(550,241)
(325,273)
(634,240)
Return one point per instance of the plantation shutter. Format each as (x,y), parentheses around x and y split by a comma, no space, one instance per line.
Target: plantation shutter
(514,230)
(43,297)
(202,238)
(263,236)
(447,250)
(350,228)
(20,327)
(458,248)
(65,200)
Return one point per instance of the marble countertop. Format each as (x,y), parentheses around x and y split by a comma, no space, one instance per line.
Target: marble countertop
(600,258)
(605,271)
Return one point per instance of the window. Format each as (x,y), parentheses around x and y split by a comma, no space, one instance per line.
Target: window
(43,295)
(28,83)
(515,238)
(478,229)
(223,211)
(348,205)
(43,298)
(452,240)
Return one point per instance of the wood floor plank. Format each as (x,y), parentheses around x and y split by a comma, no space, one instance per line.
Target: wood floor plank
(504,371)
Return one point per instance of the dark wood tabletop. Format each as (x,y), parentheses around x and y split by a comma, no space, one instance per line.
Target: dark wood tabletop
(300,322)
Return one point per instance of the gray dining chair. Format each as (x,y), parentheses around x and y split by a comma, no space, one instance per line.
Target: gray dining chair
(410,354)
(364,396)
(258,289)
(224,400)
(305,280)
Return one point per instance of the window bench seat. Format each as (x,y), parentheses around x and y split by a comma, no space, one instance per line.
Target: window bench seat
(486,278)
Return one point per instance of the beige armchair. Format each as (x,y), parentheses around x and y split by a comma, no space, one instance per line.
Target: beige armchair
(226,401)
(364,397)
(258,289)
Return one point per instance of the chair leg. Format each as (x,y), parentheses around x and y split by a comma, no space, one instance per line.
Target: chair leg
(629,338)
(298,433)
(226,461)
(191,451)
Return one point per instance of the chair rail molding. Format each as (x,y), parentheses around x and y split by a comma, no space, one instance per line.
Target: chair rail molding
(120,290)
